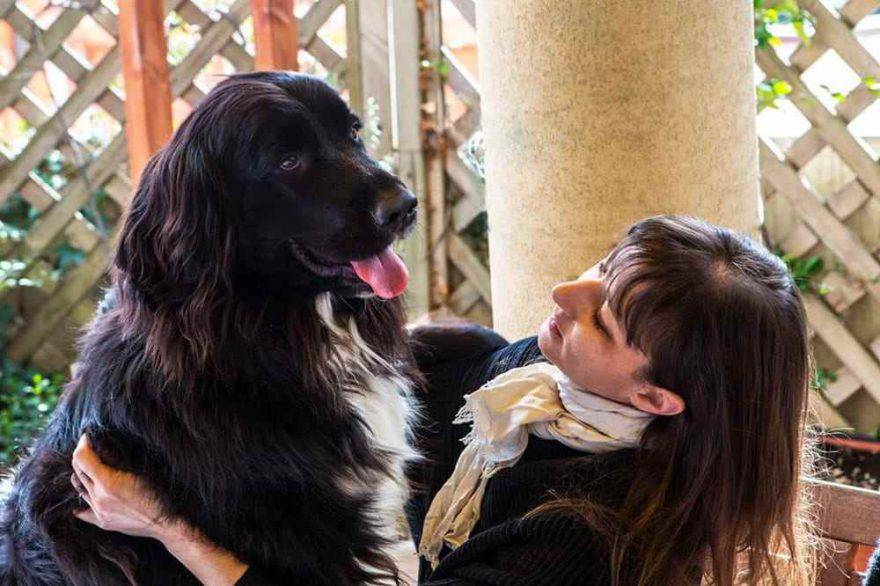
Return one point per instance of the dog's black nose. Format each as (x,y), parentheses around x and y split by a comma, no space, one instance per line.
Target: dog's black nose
(397,211)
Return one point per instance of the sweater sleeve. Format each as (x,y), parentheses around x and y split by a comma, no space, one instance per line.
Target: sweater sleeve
(545,549)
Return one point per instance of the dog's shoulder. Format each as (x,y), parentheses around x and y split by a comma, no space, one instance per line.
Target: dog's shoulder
(448,340)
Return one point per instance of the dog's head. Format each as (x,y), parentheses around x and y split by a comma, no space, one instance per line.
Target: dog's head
(266,182)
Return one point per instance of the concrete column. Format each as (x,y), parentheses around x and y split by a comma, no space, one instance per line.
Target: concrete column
(599,113)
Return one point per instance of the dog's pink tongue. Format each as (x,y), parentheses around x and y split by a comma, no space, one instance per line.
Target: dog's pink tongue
(385,273)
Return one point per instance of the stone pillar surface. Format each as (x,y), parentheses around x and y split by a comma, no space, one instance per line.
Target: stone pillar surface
(599,113)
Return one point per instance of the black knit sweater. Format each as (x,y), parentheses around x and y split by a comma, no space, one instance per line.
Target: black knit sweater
(507,546)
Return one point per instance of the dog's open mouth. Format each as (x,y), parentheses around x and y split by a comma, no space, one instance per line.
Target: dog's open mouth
(385,272)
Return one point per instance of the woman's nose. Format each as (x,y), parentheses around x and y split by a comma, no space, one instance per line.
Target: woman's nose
(562,294)
(571,295)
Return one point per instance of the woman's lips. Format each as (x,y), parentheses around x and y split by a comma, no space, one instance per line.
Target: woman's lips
(553,325)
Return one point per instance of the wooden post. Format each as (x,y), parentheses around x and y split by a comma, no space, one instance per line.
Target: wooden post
(354,75)
(375,76)
(147,86)
(435,153)
(406,99)
(7,61)
(275,34)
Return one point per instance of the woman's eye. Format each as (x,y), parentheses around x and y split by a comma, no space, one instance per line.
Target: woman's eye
(598,324)
(291,163)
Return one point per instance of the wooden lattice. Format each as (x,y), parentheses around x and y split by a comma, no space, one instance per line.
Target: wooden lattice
(53,315)
(468,290)
(840,226)
(843,227)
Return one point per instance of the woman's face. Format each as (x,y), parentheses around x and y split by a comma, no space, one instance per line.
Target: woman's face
(584,340)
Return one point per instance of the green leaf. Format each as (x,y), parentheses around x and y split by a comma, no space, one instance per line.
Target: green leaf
(781,87)
(67,257)
(813,265)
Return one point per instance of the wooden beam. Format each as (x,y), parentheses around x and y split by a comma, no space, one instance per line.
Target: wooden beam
(470,266)
(275,33)
(353,53)
(847,513)
(147,84)
(847,348)
(434,148)
(375,71)
(53,130)
(406,138)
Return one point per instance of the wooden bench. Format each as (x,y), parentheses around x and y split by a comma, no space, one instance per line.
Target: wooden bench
(849,519)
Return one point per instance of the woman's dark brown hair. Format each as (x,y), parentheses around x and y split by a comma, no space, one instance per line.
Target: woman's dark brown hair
(717,492)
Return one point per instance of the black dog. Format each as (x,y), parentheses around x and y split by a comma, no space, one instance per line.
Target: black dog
(244,366)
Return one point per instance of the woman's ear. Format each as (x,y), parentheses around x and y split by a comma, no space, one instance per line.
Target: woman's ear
(657,400)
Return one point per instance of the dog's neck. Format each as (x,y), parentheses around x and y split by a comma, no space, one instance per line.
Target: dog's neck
(368,332)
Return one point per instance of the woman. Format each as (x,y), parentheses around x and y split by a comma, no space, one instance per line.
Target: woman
(691,324)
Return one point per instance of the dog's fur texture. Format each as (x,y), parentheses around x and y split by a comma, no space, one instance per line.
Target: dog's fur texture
(259,390)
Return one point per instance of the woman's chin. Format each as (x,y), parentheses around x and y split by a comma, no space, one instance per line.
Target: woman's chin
(546,341)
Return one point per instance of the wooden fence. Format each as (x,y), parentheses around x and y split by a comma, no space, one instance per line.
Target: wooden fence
(49,311)
(840,223)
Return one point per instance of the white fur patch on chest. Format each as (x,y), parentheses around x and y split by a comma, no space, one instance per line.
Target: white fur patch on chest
(385,404)
(384,400)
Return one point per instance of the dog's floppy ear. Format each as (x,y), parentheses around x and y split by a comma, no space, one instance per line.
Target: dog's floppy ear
(175,249)
(174,237)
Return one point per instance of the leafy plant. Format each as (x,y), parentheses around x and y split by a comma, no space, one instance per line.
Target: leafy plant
(821,378)
(769,15)
(27,397)
(55,170)
(18,215)
(872,84)
(440,65)
(66,257)
(474,154)
(769,90)
(182,37)
(372,130)
(805,270)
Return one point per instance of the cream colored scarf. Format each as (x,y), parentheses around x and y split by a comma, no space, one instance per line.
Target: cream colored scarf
(537,399)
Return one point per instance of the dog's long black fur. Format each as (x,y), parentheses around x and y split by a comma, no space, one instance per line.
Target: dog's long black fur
(207,374)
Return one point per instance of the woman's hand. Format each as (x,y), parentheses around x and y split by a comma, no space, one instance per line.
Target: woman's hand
(117,500)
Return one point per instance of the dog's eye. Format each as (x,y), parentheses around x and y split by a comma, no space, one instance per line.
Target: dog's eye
(290,163)
(355,133)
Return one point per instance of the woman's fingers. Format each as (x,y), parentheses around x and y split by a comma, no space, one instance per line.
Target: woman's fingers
(117,500)
(84,479)
(86,460)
